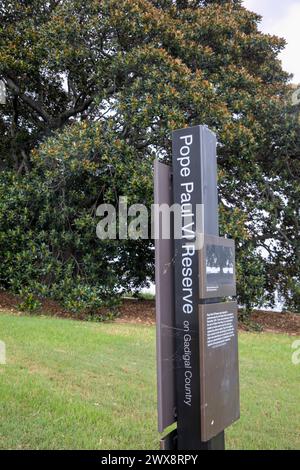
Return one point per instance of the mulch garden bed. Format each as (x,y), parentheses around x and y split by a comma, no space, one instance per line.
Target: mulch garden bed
(143,311)
(277,322)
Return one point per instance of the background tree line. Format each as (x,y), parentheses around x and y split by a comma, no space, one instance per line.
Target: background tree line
(94,90)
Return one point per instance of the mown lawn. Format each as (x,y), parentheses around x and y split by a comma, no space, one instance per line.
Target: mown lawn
(80,385)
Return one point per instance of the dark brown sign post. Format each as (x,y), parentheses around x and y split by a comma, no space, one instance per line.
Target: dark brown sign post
(203,344)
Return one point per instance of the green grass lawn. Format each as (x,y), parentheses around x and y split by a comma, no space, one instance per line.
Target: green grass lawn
(80,385)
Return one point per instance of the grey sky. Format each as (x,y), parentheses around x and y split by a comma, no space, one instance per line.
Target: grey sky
(282,17)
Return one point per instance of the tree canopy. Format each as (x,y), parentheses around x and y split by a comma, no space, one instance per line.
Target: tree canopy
(95,89)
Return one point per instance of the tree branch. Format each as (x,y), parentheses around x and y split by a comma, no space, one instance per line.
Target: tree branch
(76,109)
(27,99)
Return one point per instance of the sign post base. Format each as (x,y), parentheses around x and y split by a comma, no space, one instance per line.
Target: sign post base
(170,442)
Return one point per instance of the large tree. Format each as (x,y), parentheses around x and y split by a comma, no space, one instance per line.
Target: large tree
(95,89)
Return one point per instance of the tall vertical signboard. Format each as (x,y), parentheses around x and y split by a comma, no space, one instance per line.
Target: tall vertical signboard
(204,369)
(165,299)
(187,193)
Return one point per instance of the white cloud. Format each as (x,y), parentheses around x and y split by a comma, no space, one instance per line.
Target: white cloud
(283,19)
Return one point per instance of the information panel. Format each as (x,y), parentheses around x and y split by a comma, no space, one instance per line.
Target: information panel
(217,268)
(219,371)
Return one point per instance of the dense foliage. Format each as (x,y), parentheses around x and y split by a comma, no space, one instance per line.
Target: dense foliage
(94,90)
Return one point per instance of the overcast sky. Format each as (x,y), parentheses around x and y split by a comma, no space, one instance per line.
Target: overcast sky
(282,17)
